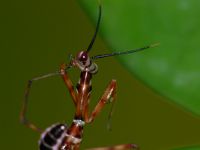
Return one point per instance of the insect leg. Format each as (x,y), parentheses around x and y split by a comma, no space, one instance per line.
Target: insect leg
(108,96)
(68,83)
(76,147)
(117,147)
(23,118)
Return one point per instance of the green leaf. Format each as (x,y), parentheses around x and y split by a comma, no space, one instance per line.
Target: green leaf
(172,69)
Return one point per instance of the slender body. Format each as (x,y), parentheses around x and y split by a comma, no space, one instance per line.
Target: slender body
(60,136)
(72,136)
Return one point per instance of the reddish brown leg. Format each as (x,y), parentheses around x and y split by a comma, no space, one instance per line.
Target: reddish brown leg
(117,147)
(108,96)
(68,83)
(23,118)
(76,147)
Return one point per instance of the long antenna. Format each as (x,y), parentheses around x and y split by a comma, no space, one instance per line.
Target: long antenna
(97,28)
(125,52)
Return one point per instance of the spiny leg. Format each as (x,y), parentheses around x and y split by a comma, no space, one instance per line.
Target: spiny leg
(117,147)
(68,83)
(23,118)
(108,96)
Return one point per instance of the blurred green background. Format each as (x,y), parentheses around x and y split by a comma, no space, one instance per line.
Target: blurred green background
(37,36)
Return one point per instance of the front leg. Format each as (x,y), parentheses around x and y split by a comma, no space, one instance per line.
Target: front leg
(108,96)
(68,83)
(117,147)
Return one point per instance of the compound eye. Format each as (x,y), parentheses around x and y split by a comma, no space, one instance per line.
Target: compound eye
(83,56)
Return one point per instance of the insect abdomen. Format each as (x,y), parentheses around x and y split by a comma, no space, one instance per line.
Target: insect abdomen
(50,138)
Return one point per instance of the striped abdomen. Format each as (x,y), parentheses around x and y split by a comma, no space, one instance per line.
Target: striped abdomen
(52,137)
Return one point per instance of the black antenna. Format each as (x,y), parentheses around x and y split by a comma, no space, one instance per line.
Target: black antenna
(97,28)
(125,52)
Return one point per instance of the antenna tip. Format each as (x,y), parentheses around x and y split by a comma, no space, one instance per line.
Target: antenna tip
(154,45)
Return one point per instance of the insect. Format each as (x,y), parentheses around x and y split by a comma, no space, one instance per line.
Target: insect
(60,136)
